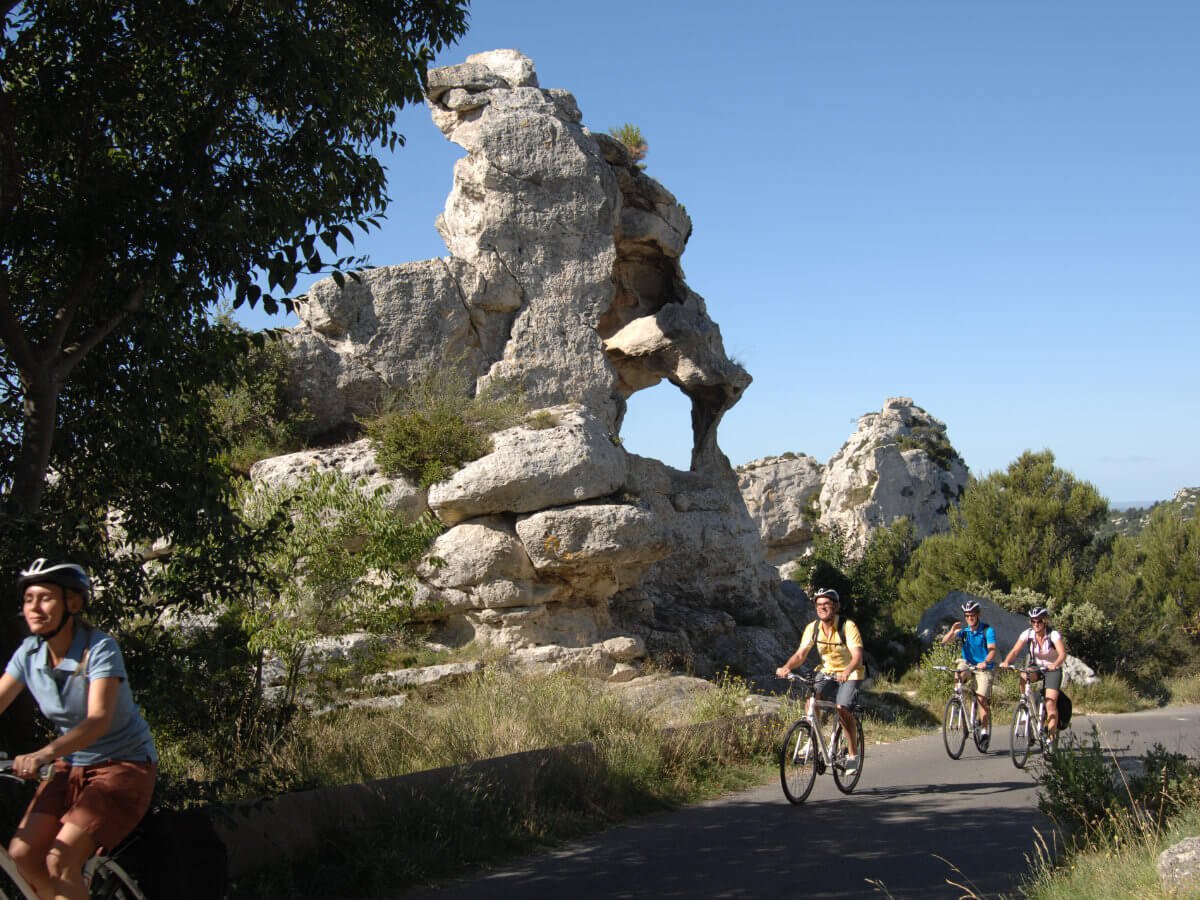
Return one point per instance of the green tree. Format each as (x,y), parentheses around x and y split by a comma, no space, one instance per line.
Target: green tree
(867,583)
(1149,587)
(345,562)
(156,155)
(1033,526)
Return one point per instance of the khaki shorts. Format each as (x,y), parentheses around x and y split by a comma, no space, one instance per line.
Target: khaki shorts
(107,800)
(982,680)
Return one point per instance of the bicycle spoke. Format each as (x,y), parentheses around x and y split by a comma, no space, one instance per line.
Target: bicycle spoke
(954,734)
(798,762)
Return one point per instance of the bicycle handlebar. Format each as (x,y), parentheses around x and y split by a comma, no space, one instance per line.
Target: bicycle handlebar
(6,764)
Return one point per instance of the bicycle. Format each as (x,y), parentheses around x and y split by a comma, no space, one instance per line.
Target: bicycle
(1029,720)
(957,724)
(105,877)
(805,753)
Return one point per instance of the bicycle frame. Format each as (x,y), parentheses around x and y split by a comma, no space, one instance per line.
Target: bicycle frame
(1029,719)
(962,716)
(808,752)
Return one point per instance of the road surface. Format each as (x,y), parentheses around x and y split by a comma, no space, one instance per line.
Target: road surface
(919,825)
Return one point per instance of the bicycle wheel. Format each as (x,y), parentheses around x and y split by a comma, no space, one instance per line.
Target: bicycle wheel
(798,762)
(954,727)
(847,780)
(1022,736)
(981,743)
(109,881)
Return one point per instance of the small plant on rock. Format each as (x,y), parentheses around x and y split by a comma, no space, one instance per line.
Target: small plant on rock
(434,426)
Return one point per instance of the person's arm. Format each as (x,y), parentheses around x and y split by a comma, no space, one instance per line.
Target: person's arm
(10,689)
(855,645)
(990,637)
(952,633)
(1016,648)
(1061,646)
(101,706)
(797,659)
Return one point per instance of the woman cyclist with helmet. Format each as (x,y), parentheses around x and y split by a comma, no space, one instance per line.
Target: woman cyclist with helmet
(1048,650)
(104,761)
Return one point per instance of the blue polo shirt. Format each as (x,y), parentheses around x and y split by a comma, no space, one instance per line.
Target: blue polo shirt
(61,692)
(975,643)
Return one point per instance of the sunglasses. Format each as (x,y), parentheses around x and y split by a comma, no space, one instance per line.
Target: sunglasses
(1036,621)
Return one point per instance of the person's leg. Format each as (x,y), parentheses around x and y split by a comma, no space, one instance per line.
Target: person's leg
(68,853)
(29,848)
(849,730)
(847,692)
(983,695)
(1051,711)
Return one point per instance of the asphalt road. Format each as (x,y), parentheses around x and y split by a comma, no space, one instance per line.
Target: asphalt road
(919,825)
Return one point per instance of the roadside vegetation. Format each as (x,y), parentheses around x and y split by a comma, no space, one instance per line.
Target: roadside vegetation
(1117,815)
(636,767)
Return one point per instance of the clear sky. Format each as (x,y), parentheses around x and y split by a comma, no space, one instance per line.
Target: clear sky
(992,208)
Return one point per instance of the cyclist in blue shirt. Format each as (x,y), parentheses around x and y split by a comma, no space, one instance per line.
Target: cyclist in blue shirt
(103,756)
(979,656)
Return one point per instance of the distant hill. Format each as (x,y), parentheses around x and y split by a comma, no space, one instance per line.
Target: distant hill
(1131,521)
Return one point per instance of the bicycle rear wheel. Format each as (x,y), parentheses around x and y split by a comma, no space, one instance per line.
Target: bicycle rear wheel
(845,780)
(954,727)
(798,762)
(109,881)
(1022,736)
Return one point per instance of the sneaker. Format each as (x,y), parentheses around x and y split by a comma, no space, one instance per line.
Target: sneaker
(984,737)
(850,764)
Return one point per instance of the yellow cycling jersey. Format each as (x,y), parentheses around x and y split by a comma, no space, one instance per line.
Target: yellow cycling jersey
(835,655)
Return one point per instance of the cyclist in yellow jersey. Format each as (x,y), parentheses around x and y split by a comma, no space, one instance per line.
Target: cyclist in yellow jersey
(841,661)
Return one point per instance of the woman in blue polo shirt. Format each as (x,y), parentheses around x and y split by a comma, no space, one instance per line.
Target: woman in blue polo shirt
(103,755)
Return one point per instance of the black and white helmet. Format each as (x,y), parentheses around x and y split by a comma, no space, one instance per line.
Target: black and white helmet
(1039,612)
(970,606)
(827,592)
(66,575)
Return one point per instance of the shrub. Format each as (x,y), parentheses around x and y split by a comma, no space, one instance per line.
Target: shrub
(631,136)
(344,562)
(252,414)
(434,427)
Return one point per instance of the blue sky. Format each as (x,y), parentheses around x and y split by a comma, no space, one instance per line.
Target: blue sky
(992,208)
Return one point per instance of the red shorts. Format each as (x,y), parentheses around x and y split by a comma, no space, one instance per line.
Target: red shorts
(106,800)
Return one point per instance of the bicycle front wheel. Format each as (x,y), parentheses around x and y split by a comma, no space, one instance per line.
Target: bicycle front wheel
(798,762)
(1022,736)
(847,779)
(954,727)
(109,881)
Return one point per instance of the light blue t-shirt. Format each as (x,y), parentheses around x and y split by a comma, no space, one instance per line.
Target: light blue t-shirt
(975,643)
(61,692)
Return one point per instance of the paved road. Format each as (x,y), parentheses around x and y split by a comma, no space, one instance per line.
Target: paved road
(918,824)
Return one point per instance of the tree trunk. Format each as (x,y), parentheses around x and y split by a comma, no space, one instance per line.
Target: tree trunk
(37,440)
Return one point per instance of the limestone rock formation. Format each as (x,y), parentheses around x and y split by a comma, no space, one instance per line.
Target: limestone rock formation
(564,282)
(899,462)
(781,495)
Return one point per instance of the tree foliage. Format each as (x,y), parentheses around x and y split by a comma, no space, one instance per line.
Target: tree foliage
(1033,526)
(156,155)
(868,583)
(1149,587)
(344,562)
